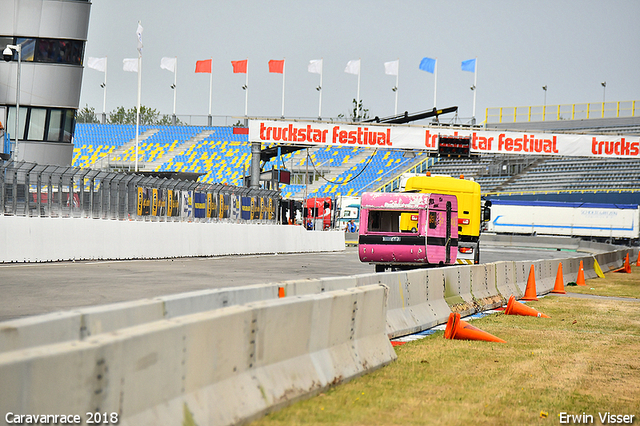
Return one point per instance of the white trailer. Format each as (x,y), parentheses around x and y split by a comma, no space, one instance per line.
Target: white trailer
(602,221)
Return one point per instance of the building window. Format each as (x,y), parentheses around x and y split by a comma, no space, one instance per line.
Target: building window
(42,124)
(47,50)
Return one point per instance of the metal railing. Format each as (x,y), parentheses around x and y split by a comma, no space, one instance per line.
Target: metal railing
(562,112)
(35,190)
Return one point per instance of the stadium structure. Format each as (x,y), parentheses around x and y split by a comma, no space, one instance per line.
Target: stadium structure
(52,51)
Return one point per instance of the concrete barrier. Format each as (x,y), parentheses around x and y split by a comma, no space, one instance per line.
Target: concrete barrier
(25,239)
(483,287)
(218,367)
(506,280)
(457,289)
(416,299)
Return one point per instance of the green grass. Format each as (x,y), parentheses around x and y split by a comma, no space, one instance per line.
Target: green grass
(614,284)
(584,359)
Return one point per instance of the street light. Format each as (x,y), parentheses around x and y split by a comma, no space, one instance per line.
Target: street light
(7,55)
(545,94)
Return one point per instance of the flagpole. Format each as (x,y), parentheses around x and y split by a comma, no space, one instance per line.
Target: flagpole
(435,84)
(175,87)
(246,85)
(210,90)
(358,92)
(284,64)
(104,99)
(320,90)
(395,110)
(138,106)
(475,89)
(139,84)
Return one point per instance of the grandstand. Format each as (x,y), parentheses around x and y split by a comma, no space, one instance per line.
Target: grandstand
(222,155)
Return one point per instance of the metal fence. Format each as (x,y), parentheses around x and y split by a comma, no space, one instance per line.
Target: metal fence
(562,112)
(35,190)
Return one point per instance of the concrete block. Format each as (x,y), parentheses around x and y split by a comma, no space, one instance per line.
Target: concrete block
(506,280)
(46,329)
(457,289)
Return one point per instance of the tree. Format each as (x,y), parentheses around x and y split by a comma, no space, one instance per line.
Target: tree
(358,113)
(87,115)
(148,116)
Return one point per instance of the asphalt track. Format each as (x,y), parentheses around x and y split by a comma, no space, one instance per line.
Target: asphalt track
(31,289)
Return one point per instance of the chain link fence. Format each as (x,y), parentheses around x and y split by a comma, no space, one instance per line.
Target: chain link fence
(35,190)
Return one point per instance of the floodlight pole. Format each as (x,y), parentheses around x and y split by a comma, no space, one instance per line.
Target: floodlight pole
(18,49)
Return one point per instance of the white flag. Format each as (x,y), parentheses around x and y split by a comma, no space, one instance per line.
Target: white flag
(168,64)
(130,64)
(391,68)
(353,67)
(99,64)
(139,34)
(315,66)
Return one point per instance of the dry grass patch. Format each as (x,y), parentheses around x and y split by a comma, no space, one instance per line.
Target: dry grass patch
(583,359)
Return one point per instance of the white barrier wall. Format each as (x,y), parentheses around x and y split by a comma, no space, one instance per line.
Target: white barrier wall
(24,239)
(213,368)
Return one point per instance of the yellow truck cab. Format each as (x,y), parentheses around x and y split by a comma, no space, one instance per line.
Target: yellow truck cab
(469,209)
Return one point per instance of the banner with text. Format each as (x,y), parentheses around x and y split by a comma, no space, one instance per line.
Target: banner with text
(426,138)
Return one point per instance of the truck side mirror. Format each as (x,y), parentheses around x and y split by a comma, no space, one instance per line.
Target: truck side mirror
(486,213)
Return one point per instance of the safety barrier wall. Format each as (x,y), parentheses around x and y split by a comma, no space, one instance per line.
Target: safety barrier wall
(416,300)
(24,239)
(217,367)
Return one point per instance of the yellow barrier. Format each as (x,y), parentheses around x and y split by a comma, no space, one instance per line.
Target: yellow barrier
(561,112)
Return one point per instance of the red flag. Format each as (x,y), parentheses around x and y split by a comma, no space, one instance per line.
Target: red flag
(204,66)
(276,66)
(240,66)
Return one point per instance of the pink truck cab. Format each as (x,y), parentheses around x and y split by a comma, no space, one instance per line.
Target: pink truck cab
(408,230)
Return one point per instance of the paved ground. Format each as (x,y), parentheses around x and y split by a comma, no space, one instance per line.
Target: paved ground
(30,289)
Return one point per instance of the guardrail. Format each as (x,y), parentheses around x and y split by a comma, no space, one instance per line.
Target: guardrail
(562,112)
(225,356)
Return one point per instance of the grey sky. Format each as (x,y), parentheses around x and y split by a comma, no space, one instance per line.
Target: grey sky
(570,46)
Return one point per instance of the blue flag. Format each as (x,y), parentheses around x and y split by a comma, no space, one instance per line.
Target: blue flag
(428,65)
(469,65)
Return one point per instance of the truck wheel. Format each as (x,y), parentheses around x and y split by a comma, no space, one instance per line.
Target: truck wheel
(380,268)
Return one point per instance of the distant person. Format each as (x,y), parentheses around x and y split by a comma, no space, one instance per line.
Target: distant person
(309,225)
(351,226)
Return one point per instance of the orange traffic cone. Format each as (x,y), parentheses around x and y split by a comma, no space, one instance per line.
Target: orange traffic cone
(580,280)
(627,267)
(516,308)
(559,286)
(530,291)
(461,330)
(638,261)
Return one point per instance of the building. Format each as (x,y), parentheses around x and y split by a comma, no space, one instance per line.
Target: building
(52,35)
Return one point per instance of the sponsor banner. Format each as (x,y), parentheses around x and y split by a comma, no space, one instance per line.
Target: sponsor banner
(143,201)
(236,207)
(158,204)
(255,208)
(271,209)
(263,208)
(186,202)
(211,205)
(224,204)
(425,138)
(247,204)
(200,205)
(173,203)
